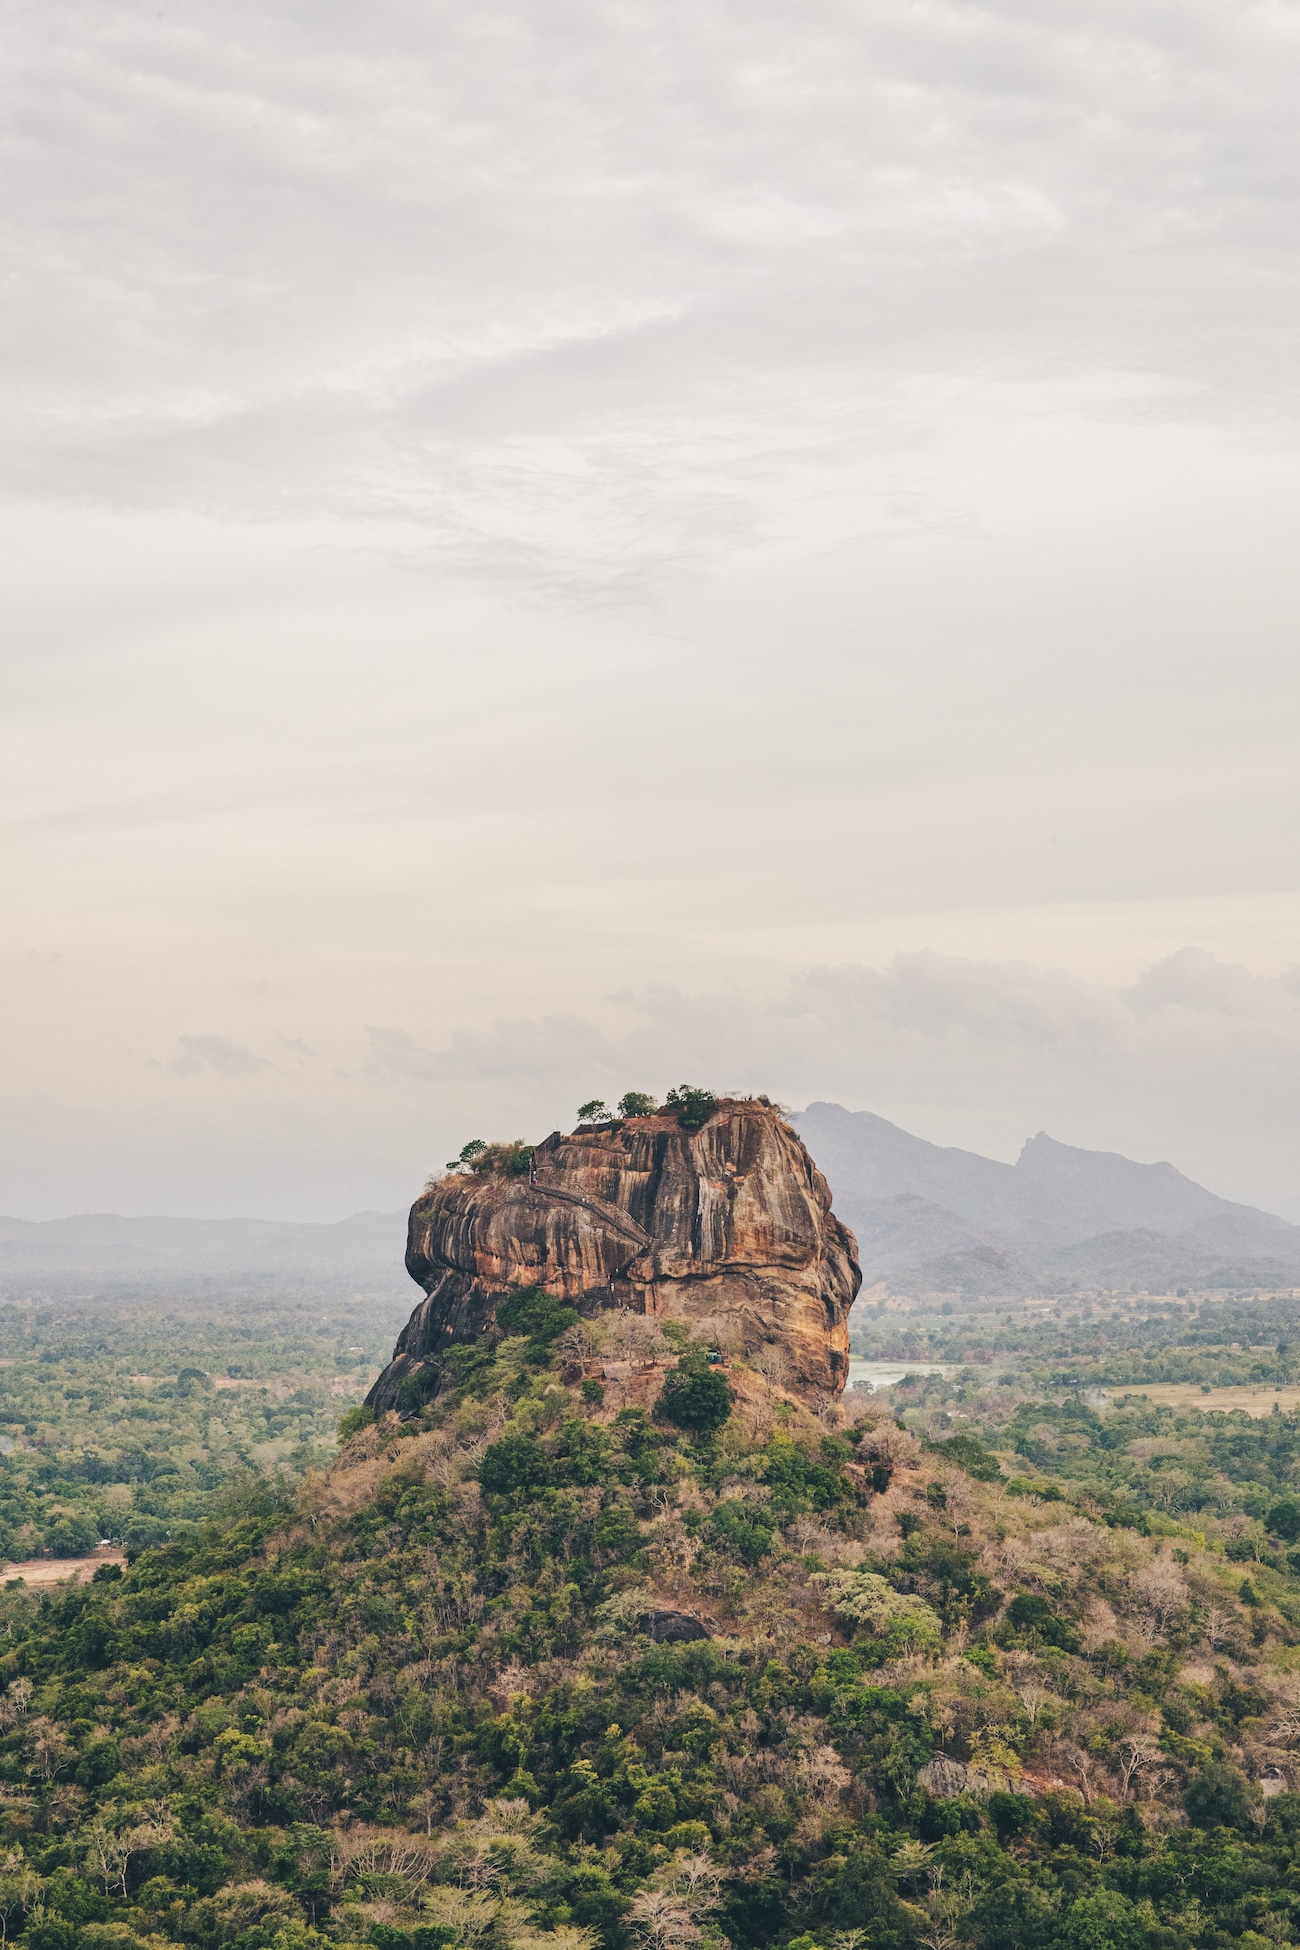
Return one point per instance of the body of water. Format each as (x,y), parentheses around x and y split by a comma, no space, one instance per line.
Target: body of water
(883,1374)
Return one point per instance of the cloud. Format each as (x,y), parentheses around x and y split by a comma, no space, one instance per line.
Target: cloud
(781,515)
(1198,1061)
(297,1047)
(579,297)
(553,1046)
(1198,982)
(918,1011)
(219,1053)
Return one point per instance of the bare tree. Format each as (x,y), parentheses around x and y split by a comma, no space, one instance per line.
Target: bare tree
(772,1362)
(48,1746)
(107,1853)
(1285,1731)
(698,1878)
(1034,1698)
(20,1887)
(663,1920)
(945,1912)
(822,1774)
(666,1916)
(1084,1766)
(15,1702)
(1219,1627)
(1139,1754)
(365,1852)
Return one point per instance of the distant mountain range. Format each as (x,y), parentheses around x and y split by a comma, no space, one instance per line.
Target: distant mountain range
(100,1247)
(933,1219)
(929,1219)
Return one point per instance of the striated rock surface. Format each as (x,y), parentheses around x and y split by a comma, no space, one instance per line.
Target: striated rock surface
(728,1228)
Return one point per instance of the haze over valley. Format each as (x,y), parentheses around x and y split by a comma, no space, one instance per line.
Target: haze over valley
(928,1219)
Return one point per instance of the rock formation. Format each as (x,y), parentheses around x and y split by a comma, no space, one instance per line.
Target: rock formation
(727,1228)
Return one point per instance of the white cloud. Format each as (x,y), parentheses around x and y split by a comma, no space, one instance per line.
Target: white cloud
(552,1047)
(577,294)
(782,514)
(1198,1061)
(296,1047)
(219,1053)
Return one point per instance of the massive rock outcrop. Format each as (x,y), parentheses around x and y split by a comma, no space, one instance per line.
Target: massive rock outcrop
(727,1228)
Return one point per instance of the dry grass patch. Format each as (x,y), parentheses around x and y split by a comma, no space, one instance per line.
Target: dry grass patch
(1256,1400)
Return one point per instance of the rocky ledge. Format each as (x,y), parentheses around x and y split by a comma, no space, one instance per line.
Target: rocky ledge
(727,1228)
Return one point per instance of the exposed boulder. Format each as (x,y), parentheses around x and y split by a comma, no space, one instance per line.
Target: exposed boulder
(670,1627)
(727,1228)
(945,1778)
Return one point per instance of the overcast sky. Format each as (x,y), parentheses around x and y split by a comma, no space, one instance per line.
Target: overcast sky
(558,548)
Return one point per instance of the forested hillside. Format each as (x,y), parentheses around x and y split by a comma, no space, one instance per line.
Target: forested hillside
(523,1672)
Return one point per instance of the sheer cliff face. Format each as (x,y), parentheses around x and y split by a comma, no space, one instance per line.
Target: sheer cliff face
(728,1228)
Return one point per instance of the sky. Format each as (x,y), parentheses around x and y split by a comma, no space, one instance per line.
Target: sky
(551,550)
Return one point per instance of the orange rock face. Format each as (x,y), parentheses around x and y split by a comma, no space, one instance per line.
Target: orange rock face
(728,1229)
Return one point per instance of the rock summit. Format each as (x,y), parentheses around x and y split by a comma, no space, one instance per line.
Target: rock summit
(726,1228)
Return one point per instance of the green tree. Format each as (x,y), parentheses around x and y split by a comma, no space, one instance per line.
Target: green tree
(740,1528)
(1284,1519)
(1033,1615)
(635,1103)
(695,1396)
(356,1418)
(505,1158)
(51,1933)
(72,1536)
(1219,1796)
(531,1310)
(594,1111)
(1104,1920)
(694,1106)
(517,1462)
(904,1623)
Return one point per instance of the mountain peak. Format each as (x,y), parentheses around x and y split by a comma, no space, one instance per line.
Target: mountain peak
(1048,1211)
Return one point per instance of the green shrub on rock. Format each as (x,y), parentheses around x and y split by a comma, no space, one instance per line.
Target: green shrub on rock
(694,1106)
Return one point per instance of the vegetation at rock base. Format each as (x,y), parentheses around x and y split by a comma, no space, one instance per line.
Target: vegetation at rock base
(409,1702)
(695,1395)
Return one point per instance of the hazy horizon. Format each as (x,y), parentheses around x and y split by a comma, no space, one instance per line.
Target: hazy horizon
(342,1218)
(556,553)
